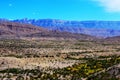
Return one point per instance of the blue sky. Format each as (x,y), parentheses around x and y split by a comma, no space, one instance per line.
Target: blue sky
(61,9)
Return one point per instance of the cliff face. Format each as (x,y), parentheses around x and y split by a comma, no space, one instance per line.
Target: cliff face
(94,28)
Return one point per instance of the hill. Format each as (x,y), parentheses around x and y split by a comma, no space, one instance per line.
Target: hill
(14,30)
(17,30)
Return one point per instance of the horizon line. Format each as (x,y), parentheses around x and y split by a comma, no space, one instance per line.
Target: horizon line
(53,19)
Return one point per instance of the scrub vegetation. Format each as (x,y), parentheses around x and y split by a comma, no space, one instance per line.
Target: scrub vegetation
(59,59)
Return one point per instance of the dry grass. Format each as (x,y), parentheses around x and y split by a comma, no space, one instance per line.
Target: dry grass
(51,53)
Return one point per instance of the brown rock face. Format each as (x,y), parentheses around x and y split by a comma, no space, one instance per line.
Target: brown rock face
(16,29)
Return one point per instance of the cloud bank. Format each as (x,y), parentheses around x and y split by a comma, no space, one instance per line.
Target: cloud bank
(110,5)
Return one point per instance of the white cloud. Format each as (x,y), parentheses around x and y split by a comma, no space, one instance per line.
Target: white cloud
(110,5)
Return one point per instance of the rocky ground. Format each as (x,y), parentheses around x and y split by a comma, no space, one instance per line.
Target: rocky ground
(59,59)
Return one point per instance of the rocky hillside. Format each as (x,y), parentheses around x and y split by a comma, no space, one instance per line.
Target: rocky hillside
(12,29)
(18,30)
(94,28)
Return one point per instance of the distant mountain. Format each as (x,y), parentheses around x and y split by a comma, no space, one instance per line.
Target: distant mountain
(94,28)
(17,30)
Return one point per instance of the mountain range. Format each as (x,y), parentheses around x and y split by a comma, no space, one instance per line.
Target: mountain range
(14,30)
(93,28)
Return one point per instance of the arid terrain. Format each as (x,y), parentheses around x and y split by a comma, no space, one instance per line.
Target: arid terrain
(52,57)
(34,53)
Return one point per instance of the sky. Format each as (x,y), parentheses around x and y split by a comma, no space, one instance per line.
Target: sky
(61,9)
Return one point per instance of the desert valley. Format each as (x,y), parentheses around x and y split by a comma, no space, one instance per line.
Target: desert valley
(30,52)
(60,40)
